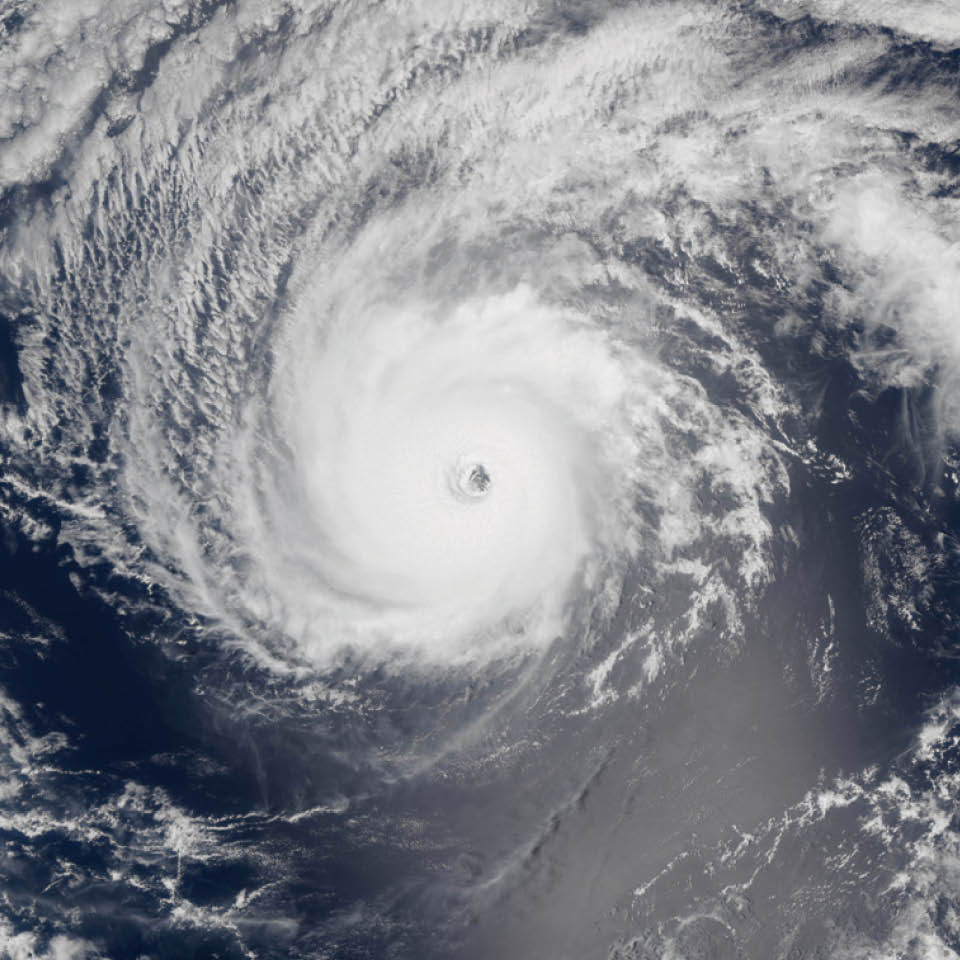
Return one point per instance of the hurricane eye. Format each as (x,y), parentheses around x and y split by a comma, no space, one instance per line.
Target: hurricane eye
(478,481)
(471,480)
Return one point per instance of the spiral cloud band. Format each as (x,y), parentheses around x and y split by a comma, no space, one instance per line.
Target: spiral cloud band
(380,369)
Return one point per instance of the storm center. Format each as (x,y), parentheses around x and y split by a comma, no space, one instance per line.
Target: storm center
(471,480)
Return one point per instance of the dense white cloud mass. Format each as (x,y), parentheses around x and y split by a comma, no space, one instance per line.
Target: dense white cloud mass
(925,19)
(387,418)
(905,261)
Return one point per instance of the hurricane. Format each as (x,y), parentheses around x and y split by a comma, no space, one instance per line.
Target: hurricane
(479,480)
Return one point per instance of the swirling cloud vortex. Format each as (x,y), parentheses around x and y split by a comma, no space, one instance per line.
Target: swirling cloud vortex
(443,474)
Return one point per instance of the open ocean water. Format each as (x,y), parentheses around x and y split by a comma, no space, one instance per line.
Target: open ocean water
(480,480)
